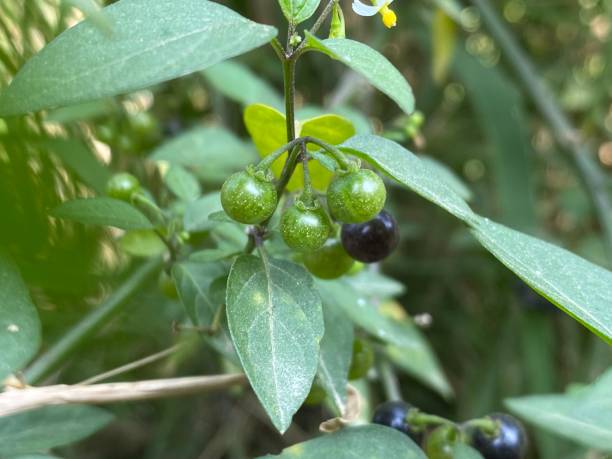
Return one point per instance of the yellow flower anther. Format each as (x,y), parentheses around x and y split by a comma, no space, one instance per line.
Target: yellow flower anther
(389,17)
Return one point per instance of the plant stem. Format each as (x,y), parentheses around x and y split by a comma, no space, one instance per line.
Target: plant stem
(389,381)
(418,419)
(487,425)
(566,135)
(332,150)
(91,323)
(318,23)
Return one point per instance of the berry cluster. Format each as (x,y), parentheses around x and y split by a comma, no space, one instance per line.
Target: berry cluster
(355,200)
(498,436)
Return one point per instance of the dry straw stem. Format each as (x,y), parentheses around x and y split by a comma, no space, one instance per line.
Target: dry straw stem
(15,401)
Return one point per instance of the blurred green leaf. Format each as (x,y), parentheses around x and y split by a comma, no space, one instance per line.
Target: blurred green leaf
(238,83)
(82,112)
(93,11)
(103,211)
(461,451)
(211,152)
(335,356)
(182,183)
(371,441)
(369,63)
(19,323)
(451,178)
(444,38)
(49,427)
(580,288)
(276,323)
(375,284)
(403,166)
(583,416)
(197,213)
(151,42)
(193,280)
(297,11)
(142,243)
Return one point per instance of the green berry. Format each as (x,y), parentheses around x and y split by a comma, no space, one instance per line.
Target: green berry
(249,197)
(167,286)
(305,227)
(356,197)
(122,186)
(363,358)
(440,442)
(315,396)
(144,124)
(329,262)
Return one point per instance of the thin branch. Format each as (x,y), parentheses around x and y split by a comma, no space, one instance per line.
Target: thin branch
(566,135)
(18,400)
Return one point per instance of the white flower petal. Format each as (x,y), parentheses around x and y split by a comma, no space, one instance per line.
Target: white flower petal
(367,10)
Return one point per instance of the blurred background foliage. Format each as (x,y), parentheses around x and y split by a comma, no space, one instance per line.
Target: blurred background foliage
(493,336)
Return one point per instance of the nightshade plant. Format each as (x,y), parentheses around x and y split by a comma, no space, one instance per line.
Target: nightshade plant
(283,309)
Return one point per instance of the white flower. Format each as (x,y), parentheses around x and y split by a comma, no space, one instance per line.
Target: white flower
(389,17)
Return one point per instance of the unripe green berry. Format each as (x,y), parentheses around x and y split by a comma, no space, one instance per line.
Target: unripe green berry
(330,261)
(122,186)
(356,197)
(440,442)
(305,227)
(362,360)
(249,197)
(167,286)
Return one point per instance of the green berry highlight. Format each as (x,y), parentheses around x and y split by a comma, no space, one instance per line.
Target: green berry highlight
(356,197)
(122,186)
(329,262)
(249,197)
(305,227)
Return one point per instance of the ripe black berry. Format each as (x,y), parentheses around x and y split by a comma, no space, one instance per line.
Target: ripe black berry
(509,443)
(373,240)
(393,414)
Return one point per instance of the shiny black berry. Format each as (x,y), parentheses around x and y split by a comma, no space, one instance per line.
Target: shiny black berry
(373,240)
(393,414)
(509,442)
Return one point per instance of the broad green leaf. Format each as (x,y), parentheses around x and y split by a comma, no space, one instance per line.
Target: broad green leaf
(297,11)
(375,284)
(183,184)
(212,152)
(276,323)
(370,441)
(208,255)
(193,280)
(371,64)
(405,167)
(151,42)
(444,40)
(142,243)
(267,128)
(19,323)
(103,211)
(360,122)
(582,289)
(77,157)
(238,83)
(82,112)
(197,213)
(93,11)
(462,451)
(506,127)
(405,345)
(584,415)
(450,177)
(335,356)
(49,427)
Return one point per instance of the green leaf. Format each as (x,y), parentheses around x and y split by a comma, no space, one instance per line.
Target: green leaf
(268,130)
(276,323)
(450,177)
(406,346)
(584,416)
(238,83)
(151,42)
(370,441)
(103,211)
(19,323)
(405,167)
(212,152)
(82,112)
(77,157)
(49,427)
(372,283)
(444,40)
(371,64)
(92,10)
(142,243)
(297,11)
(193,280)
(183,184)
(335,356)
(197,213)
(578,287)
